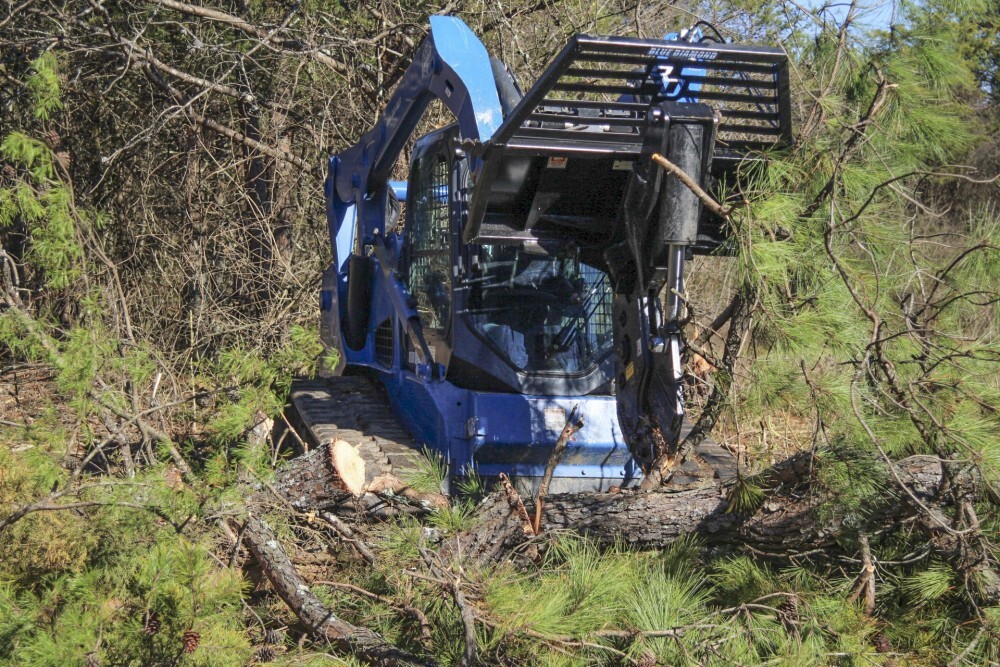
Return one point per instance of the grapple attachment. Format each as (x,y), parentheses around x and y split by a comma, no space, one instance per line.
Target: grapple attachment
(557,168)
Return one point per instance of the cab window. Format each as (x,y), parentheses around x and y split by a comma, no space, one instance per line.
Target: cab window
(429,268)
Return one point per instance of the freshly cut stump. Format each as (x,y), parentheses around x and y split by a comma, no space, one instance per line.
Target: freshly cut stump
(323,478)
(348,466)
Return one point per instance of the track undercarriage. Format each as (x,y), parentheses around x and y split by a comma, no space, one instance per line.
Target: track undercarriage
(356,409)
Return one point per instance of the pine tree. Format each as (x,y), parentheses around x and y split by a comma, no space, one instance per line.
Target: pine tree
(141,250)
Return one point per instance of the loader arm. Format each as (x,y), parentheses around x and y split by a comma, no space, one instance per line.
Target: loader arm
(451,65)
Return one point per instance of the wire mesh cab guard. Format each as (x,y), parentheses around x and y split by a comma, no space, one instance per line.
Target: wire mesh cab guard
(557,167)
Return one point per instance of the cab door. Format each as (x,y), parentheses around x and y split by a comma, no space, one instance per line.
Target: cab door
(428,262)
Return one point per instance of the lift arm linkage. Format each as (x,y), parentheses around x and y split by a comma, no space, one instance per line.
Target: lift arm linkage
(451,65)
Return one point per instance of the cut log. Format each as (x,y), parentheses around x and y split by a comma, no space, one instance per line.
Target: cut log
(348,466)
(317,617)
(502,524)
(786,520)
(323,478)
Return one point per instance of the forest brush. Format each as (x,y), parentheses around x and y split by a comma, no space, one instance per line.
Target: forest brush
(162,238)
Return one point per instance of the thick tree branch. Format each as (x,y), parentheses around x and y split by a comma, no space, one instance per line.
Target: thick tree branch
(317,617)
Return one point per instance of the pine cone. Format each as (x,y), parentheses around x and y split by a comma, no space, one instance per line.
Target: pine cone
(51,139)
(264,654)
(647,659)
(788,613)
(65,159)
(93,660)
(152,625)
(191,639)
(273,636)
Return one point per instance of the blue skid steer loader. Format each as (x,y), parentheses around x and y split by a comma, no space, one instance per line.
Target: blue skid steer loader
(514,281)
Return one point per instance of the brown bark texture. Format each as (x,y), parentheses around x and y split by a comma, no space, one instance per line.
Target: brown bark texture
(784,522)
(321,621)
(312,482)
(502,524)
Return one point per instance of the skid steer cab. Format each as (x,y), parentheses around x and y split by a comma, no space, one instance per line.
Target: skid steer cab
(517,275)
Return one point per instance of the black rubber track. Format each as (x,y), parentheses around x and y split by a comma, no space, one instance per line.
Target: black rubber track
(355,409)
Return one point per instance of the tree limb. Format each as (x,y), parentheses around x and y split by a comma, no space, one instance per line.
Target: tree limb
(320,620)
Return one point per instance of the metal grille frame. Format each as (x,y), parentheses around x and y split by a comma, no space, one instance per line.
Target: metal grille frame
(385,343)
(594,96)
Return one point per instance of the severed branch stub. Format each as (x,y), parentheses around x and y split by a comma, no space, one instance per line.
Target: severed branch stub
(866,580)
(573,424)
(692,185)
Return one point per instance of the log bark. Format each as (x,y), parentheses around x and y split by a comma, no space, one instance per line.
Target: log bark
(786,521)
(317,617)
(322,478)
(502,524)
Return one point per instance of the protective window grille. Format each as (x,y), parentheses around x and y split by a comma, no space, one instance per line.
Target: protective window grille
(598,91)
(599,318)
(430,265)
(431,214)
(384,343)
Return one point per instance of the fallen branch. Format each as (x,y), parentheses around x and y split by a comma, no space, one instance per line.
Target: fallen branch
(573,424)
(785,524)
(321,479)
(390,485)
(320,620)
(452,582)
(410,610)
(348,536)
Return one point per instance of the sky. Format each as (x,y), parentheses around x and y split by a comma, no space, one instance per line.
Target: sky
(873,13)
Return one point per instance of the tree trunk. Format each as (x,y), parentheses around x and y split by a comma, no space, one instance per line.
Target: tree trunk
(502,524)
(785,521)
(323,478)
